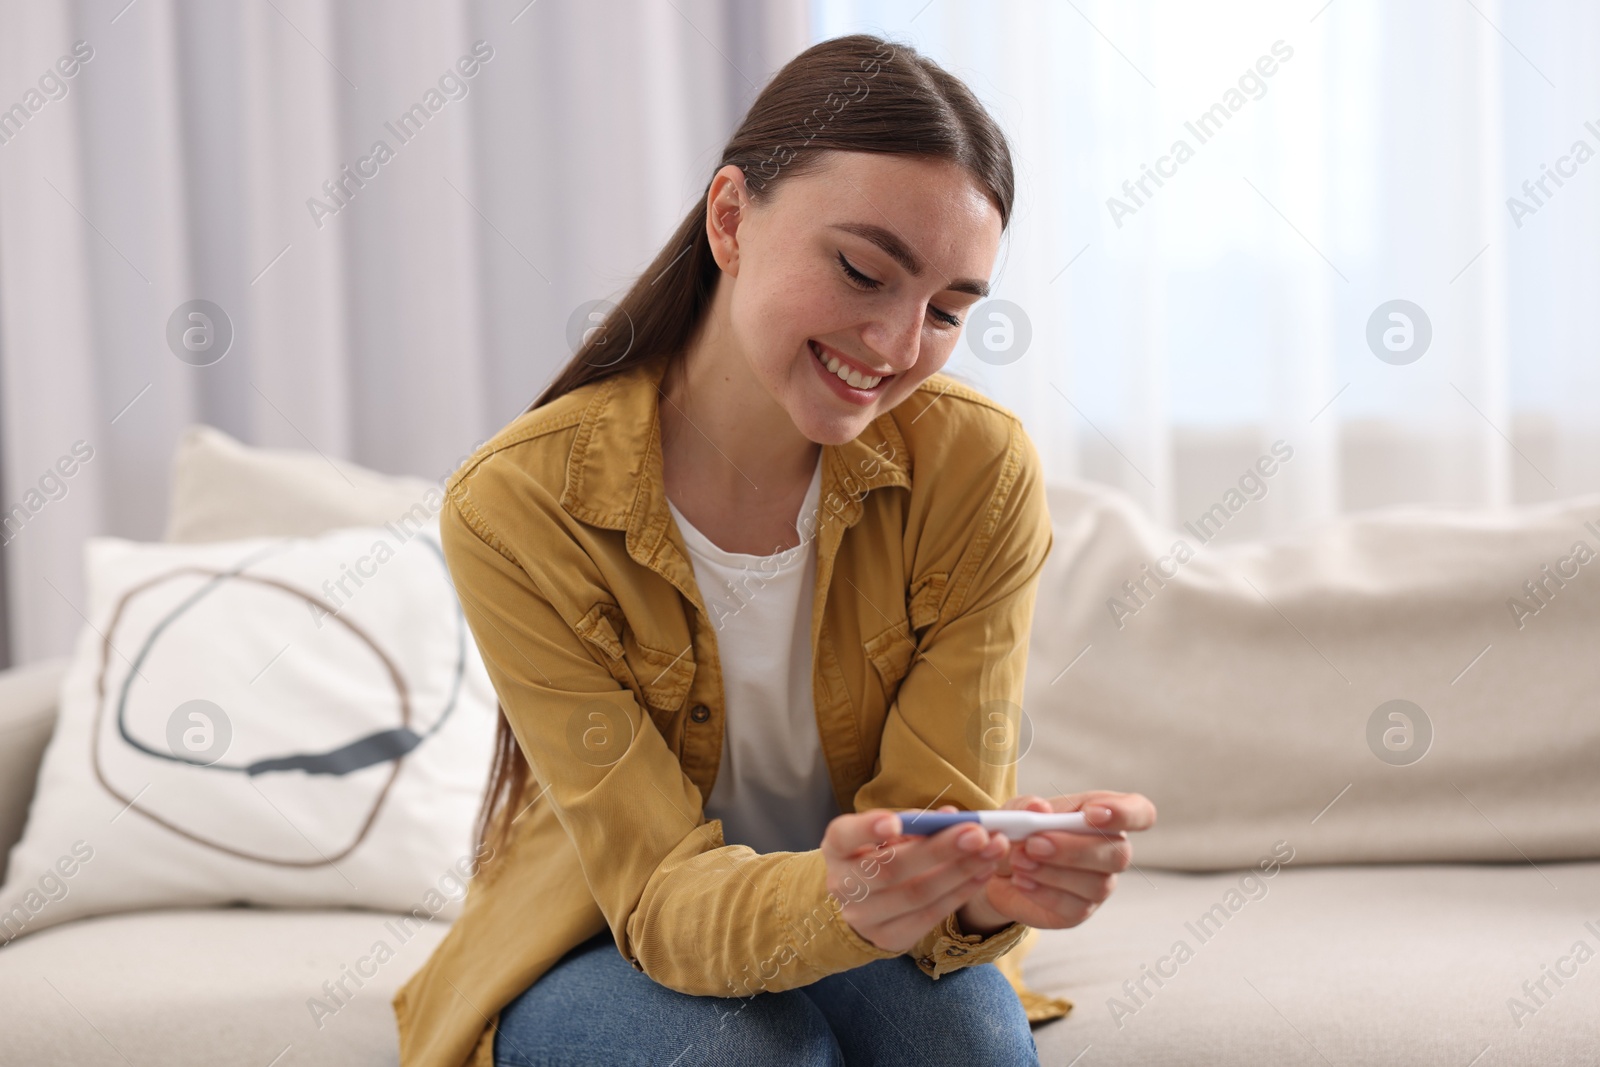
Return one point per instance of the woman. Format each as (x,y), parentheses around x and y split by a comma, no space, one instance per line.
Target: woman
(749,578)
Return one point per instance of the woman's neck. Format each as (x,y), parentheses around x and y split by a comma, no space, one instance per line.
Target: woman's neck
(733,461)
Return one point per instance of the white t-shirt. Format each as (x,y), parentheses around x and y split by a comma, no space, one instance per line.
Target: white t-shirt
(773,791)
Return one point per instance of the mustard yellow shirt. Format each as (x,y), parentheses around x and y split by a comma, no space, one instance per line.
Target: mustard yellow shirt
(581,596)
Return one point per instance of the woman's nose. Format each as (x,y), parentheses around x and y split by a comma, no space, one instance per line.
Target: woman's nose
(898,340)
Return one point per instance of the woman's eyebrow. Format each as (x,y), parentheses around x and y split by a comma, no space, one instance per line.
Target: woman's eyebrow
(897,250)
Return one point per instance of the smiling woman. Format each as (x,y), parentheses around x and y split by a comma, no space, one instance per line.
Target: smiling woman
(692,806)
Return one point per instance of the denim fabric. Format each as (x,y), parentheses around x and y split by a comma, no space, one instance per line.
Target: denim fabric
(593,1008)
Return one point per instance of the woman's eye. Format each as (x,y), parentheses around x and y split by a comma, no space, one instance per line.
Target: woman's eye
(872,283)
(856,276)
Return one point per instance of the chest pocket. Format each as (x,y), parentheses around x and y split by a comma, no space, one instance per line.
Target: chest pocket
(658,678)
(892,649)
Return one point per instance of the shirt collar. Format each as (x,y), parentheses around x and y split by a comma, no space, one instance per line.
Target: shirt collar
(614,471)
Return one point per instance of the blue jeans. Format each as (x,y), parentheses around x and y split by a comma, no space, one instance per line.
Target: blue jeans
(592,1007)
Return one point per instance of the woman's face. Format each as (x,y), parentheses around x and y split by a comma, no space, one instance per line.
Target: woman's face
(866,265)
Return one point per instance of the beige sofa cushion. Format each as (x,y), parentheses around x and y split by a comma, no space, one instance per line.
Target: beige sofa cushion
(1242,694)
(213,987)
(1374,965)
(28,698)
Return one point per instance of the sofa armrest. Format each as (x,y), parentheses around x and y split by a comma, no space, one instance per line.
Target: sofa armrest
(28,699)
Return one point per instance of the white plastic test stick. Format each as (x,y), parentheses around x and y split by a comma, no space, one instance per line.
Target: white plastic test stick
(1014,824)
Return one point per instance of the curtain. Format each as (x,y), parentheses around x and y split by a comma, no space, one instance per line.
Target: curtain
(389,309)
(1338,157)
(1429,162)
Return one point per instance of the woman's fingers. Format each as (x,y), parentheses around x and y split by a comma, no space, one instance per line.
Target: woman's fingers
(894,888)
(1129,811)
(902,884)
(912,908)
(930,889)
(853,836)
(1080,896)
(849,835)
(1093,886)
(917,856)
(937,875)
(1057,848)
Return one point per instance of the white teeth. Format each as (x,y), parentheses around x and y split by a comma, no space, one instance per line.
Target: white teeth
(854,378)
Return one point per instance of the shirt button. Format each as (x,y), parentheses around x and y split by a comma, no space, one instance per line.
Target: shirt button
(926,961)
(955,952)
(700,713)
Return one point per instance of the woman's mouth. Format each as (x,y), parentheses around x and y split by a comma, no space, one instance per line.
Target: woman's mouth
(846,379)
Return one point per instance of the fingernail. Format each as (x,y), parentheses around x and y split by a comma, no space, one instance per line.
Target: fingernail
(1100,814)
(1022,881)
(1023,863)
(1041,846)
(887,826)
(971,841)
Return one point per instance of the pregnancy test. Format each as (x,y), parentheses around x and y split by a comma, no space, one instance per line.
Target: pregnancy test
(1014,824)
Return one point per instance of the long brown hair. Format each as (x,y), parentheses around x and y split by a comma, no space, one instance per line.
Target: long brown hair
(859,93)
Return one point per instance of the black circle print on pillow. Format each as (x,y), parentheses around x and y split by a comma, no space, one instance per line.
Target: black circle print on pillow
(375,748)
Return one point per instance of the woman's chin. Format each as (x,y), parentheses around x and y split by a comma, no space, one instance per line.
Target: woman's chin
(832,427)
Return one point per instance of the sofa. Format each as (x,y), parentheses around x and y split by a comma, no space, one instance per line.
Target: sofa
(1317,890)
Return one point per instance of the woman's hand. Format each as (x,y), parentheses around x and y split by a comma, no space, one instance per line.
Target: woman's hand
(1057,879)
(894,888)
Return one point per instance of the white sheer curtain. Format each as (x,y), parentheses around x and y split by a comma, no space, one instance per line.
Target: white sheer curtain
(407,326)
(1230,309)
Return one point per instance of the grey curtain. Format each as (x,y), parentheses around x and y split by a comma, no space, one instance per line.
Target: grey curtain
(387,308)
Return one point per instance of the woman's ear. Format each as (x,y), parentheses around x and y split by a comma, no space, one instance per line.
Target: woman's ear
(726,203)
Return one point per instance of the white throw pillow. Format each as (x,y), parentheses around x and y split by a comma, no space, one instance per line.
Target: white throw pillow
(297,722)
